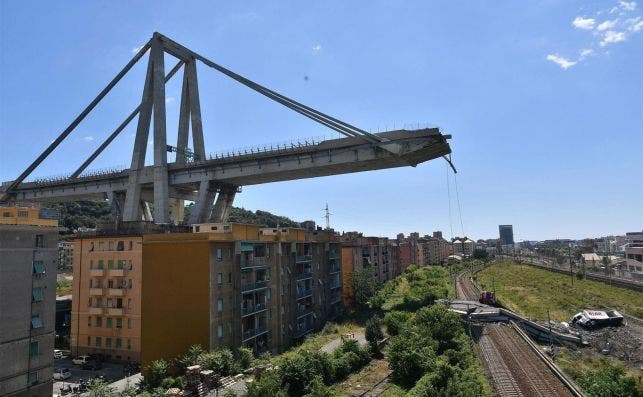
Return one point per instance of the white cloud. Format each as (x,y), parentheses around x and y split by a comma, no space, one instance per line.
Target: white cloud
(169,100)
(611,37)
(634,24)
(316,48)
(560,61)
(88,138)
(584,23)
(606,25)
(627,5)
(584,53)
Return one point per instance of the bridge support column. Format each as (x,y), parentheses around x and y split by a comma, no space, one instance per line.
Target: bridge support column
(203,204)
(116,201)
(223,205)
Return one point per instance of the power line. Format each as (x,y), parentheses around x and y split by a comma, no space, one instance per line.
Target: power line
(449,197)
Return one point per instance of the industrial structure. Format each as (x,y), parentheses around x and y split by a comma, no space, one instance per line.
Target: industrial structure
(28,259)
(211,182)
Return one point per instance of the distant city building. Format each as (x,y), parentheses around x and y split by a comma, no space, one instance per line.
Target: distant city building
(65,255)
(506,234)
(634,253)
(28,247)
(463,247)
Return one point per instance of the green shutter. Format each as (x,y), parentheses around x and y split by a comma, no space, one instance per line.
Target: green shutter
(247,247)
(33,349)
(38,267)
(37,294)
(121,264)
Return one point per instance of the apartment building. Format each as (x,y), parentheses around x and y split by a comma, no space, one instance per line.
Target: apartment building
(65,255)
(28,258)
(106,305)
(237,285)
(634,254)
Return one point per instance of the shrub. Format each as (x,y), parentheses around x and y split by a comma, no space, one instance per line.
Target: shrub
(245,357)
(156,372)
(394,321)
(373,332)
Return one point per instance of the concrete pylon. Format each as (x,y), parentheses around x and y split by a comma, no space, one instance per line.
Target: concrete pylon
(153,102)
(223,205)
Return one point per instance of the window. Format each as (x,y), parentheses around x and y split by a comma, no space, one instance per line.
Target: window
(108,323)
(38,268)
(129,265)
(91,246)
(110,302)
(119,323)
(101,264)
(219,254)
(110,283)
(101,246)
(6,214)
(36,321)
(40,241)
(120,264)
(89,341)
(111,246)
(23,214)
(119,303)
(219,278)
(33,349)
(129,323)
(89,303)
(108,342)
(36,293)
(119,343)
(120,246)
(32,378)
(229,278)
(129,283)
(91,263)
(99,321)
(129,303)
(129,344)
(99,341)
(110,263)
(219,305)
(130,245)
(220,331)
(89,321)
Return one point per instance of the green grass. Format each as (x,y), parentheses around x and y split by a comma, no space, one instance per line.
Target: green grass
(63,287)
(531,291)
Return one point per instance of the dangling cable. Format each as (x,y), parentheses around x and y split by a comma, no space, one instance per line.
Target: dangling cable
(449,197)
(457,196)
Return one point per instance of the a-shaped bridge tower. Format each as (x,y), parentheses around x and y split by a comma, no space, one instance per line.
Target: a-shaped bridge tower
(211,182)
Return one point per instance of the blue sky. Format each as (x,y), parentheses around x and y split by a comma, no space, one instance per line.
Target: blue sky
(544,101)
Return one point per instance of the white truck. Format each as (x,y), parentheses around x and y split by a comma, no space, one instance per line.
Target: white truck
(80,360)
(591,318)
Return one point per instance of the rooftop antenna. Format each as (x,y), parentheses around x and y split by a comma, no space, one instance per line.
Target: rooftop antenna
(328,214)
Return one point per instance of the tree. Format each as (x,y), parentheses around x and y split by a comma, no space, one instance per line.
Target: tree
(269,384)
(373,332)
(156,372)
(364,286)
(480,254)
(99,388)
(610,381)
(317,388)
(394,321)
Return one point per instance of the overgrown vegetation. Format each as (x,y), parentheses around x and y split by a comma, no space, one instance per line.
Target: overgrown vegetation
(533,291)
(364,286)
(429,353)
(310,373)
(63,287)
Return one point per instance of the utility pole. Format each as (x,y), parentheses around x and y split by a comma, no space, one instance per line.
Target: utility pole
(569,256)
(327,216)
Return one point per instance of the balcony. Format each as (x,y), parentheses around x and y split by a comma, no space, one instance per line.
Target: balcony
(253,333)
(304,293)
(303,258)
(252,309)
(117,272)
(333,269)
(115,311)
(304,275)
(304,329)
(261,284)
(304,312)
(333,255)
(116,291)
(96,272)
(251,263)
(335,284)
(95,291)
(95,310)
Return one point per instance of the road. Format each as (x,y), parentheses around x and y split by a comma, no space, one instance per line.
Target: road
(514,368)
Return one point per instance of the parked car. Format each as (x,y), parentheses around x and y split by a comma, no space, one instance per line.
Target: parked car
(62,374)
(80,360)
(58,354)
(92,365)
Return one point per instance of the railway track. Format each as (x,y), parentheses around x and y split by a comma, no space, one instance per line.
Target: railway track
(515,369)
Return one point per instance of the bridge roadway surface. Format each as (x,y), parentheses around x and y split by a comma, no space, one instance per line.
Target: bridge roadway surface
(337,156)
(514,368)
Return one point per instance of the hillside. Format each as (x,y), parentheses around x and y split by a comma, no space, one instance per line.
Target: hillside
(88,213)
